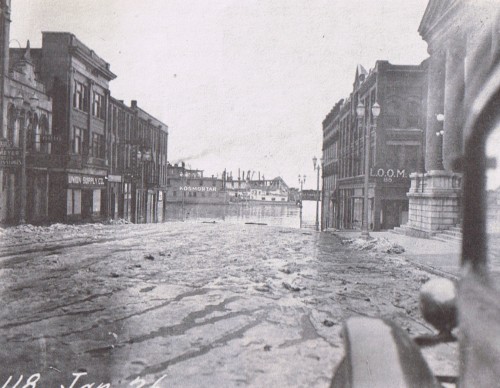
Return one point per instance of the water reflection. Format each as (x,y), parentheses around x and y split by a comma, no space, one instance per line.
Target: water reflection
(278,215)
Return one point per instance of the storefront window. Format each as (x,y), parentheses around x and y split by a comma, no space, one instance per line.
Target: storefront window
(96,207)
(74,202)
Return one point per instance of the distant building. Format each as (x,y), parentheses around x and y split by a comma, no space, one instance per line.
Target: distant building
(137,177)
(186,185)
(274,190)
(396,147)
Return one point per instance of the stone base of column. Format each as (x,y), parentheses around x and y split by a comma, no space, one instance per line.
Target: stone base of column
(434,203)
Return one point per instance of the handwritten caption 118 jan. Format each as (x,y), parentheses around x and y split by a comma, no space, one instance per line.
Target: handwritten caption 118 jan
(31,382)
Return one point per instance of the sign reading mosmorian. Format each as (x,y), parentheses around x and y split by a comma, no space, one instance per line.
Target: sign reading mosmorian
(86,181)
(197,188)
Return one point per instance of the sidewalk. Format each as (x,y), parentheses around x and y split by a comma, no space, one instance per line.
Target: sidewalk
(442,258)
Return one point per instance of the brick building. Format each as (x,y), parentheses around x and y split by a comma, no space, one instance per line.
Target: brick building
(68,151)
(396,147)
(26,140)
(78,81)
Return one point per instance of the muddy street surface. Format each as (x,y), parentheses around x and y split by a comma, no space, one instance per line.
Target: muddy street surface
(193,305)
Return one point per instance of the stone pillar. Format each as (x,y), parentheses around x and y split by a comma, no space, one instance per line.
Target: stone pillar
(453,108)
(435,106)
(434,203)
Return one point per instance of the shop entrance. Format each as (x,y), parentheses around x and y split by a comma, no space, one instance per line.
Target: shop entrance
(394,213)
(87,202)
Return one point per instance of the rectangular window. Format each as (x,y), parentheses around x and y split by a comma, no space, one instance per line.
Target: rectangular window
(77,201)
(98,145)
(98,105)
(73,202)
(77,140)
(69,202)
(80,96)
(96,201)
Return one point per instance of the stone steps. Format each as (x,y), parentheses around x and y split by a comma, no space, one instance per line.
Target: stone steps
(453,234)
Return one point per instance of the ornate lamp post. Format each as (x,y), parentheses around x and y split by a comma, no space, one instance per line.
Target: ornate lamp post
(24,109)
(302,180)
(317,166)
(360,110)
(440,134)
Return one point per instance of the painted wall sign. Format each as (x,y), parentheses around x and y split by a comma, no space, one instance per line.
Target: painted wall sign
(49,138)
(10,157)
(389,174)
(114,178)
(197,188)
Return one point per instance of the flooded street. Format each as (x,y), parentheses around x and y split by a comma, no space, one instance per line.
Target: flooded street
(193,304)
(289,215)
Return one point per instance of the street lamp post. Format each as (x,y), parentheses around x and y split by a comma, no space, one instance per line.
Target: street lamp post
(317,166)
(440,134)
(142,157)
(302,180)
(360,110)
(24,114)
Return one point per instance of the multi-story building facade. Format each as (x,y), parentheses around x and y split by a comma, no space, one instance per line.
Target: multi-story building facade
(68,151)
(122,147)
(396,147)
(78,81)
(149,183)
(26,140)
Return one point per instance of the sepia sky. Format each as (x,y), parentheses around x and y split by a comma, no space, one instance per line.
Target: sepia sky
(240,83)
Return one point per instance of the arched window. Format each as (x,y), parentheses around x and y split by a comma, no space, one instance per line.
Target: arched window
(43,132)
(13,126)
(33,138)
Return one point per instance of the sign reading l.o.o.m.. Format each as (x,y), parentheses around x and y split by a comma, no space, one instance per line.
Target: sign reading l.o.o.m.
(388,174)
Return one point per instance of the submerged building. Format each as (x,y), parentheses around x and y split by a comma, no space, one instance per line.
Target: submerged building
(394,142)
(69,152)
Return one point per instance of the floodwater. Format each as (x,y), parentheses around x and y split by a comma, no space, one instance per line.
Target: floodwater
(288,215)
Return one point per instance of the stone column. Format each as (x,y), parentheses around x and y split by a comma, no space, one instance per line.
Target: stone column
(435,106)
(453,107)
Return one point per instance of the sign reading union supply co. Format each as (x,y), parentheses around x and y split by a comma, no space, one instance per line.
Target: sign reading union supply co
(86,181)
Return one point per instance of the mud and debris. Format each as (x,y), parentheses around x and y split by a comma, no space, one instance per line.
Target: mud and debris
(86,298)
